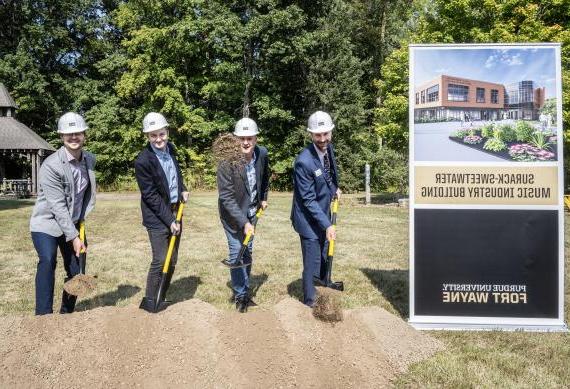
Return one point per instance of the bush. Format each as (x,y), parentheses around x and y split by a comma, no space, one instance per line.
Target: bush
(505,133)
(524,131)
(461,133)
(389,171)
(494,144)
(487,131)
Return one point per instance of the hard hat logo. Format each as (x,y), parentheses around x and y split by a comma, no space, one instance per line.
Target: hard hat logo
(320,122)
(71,122)
(246,127)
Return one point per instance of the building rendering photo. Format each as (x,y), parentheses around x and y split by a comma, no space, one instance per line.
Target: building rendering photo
(446,98)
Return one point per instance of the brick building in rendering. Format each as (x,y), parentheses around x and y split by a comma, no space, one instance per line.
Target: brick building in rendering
(455,98)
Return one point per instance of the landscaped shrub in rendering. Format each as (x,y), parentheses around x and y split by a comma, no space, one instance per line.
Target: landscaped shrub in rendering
(505,133)
(487,131)
(524,131)
(461,133)
(540,141)
(494,144)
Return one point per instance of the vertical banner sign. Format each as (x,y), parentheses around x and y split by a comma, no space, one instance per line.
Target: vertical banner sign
(486,187)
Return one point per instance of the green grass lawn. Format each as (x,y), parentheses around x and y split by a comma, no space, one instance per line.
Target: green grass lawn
(371,258)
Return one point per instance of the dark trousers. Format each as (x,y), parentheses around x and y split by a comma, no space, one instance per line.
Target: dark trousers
(314,262)
(46,247)
(159,241)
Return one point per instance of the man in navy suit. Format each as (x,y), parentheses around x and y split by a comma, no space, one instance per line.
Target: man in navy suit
(315,181)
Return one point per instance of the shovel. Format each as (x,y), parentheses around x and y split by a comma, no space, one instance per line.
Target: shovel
(158,304)
(81,284)
(327,282)
(239,262)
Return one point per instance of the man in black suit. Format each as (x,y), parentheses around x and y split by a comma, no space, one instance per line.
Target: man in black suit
(242,190)
(162,188)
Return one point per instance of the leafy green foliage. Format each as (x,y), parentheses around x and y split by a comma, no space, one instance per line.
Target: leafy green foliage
(487,131)
(505,132)
(524,131)
(494,144)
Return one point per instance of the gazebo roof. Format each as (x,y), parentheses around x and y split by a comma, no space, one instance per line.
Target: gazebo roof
(5,99)
(17,136)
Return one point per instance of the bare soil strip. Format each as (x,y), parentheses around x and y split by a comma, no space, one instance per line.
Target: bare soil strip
(195,344)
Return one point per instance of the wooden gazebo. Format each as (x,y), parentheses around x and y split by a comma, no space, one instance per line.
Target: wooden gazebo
(17,140)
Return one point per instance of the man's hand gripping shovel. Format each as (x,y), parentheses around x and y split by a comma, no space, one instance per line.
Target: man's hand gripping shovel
(239,261)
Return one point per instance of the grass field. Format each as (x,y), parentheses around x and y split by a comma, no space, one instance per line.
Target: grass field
(371,258)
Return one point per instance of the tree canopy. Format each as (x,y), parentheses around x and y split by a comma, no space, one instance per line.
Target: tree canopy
(205,64)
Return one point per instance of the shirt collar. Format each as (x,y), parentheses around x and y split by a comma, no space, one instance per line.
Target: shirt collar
(319,152)
(71,158)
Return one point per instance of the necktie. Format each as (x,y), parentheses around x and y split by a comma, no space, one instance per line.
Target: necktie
(327,166)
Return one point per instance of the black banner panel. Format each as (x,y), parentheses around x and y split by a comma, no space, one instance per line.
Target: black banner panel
(486,263)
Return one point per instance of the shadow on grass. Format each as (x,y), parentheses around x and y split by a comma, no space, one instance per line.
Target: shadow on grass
(393,284)
(381,198)
(15,203)
(183,289)
(255,282)
(295,289)
(108,299)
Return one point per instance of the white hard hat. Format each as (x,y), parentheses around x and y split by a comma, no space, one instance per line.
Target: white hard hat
(246,127)
(70,123)
(320,122)
(154,121)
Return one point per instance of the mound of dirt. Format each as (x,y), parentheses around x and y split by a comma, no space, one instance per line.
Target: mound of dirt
(195,344)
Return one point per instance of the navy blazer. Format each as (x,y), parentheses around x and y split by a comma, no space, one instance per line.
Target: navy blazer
(153,184)
(312,194)
(233,190)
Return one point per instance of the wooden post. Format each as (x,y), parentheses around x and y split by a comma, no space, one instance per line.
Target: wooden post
(34,174)
(367,182)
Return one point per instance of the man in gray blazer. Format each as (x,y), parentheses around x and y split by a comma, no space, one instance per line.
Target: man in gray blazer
(242,190)
(66,195)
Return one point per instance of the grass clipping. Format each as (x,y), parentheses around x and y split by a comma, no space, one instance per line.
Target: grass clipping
(328,305)
(226,149)
(80,285)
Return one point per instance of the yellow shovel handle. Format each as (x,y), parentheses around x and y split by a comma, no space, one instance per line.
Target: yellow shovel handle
(172,240)
(248,235)
(82,233)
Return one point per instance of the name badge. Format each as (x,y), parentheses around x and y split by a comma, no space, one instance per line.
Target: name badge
(318,172)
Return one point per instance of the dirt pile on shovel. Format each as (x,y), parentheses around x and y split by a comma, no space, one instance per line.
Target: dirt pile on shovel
(193,344)
(226,149)
(328,305)
(80,285)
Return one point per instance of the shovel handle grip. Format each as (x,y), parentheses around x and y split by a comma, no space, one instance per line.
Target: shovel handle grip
(82,234)
(172,239)
(249,234)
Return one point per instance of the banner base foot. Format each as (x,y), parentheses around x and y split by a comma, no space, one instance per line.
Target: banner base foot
(488,327)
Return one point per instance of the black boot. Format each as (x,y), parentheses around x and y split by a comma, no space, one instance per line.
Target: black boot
(241,304)
(67,301)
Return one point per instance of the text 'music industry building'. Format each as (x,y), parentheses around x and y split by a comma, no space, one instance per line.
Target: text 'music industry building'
(454,98)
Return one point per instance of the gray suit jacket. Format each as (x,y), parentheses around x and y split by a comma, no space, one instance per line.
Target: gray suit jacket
(234,194)
(53,211)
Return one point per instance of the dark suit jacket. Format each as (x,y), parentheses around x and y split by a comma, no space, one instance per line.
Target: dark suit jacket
(310,213)
(153,184)
(233,190)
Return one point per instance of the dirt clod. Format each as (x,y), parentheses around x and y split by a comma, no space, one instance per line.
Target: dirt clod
(80,285)
(328,305)
(226,149)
